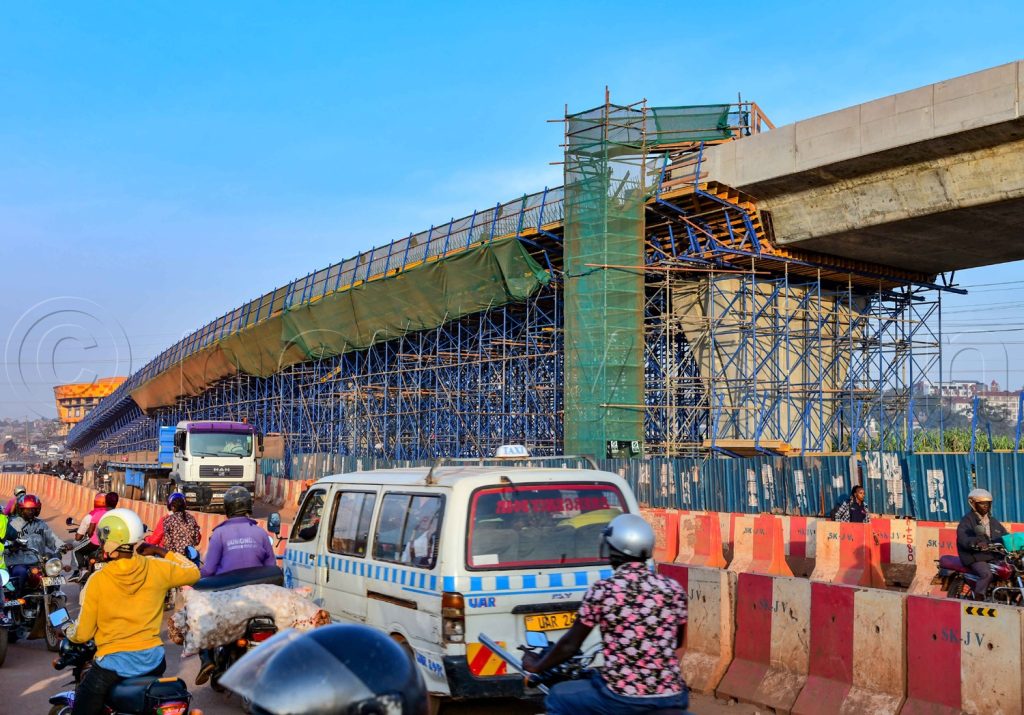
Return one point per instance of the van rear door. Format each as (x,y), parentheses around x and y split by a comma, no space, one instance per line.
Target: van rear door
(532,551)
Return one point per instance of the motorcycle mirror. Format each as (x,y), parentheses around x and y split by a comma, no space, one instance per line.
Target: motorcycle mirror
(536,639)
(274,523)
(59,617)
(69,521)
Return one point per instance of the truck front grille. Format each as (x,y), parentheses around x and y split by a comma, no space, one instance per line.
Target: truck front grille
(221,471)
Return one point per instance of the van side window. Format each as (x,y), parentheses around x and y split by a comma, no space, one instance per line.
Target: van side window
(308,523)
(409,529)
(351,526)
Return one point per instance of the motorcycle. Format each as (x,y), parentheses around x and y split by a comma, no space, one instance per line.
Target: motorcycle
(86,565)
(7,621)
(578,667)
(144,695)
(1007,585)
(192,554)
(257,630)
(41,594)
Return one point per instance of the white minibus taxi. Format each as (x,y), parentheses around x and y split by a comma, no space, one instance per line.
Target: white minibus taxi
(435,557)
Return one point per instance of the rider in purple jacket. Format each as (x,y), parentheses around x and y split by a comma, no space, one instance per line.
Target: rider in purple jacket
(237,543)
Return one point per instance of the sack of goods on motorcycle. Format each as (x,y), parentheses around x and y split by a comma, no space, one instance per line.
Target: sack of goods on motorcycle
(210,618)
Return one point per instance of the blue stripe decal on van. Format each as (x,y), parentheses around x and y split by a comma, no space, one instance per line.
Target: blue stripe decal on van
(530,581)
(449,583)
(475,584)
(501,583)
(581,578)
(554,580)
(433,582)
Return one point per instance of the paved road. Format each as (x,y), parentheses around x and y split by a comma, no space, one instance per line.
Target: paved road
(29,678)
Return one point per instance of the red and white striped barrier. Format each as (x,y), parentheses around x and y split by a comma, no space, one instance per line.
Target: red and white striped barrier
(769,665)
(962,657)
(854,666)
(709,632)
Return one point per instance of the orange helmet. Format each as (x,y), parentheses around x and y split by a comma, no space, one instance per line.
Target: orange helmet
(100,502)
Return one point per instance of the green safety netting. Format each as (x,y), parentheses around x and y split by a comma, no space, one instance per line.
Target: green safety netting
(422,298)
(605,172)
(675,125)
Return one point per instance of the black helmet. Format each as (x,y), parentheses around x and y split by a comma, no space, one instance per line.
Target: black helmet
(237,501)
(333,670)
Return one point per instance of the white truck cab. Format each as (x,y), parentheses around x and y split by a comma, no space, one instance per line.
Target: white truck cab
(435,557)
(211,456)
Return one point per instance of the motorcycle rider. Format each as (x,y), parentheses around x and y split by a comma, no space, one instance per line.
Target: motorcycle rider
(974,534)
(342,669)
(37,534)
(178,529)
(236,543)
(642,619)
(123,606)
(87,532)
(19,492)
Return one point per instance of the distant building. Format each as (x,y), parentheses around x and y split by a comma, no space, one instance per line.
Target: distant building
(74,401)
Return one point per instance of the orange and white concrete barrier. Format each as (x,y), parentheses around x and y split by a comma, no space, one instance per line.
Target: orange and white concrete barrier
(847,553)
(770,657)
(962,657)
(897,549)
(856,652)
(799,533)
(707,545)
(932,543)
(708,650)
(742,544)
(665,523)
(769,555)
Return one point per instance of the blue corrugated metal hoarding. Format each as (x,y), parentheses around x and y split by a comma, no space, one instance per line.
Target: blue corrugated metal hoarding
(1003,475)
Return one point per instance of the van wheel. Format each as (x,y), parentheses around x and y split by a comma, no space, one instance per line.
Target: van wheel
(433,702)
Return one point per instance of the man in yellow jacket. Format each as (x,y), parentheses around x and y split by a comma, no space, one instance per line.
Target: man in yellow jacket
(122,608)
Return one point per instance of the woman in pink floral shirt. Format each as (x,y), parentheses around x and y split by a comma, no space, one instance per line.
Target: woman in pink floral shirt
(642,619)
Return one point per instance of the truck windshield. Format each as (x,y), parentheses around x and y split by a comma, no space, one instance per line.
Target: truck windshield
(220,444)
(540,525)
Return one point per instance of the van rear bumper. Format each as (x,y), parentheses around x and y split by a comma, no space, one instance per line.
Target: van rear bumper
(465,685)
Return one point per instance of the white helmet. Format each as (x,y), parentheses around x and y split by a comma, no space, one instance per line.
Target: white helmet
(119,528)
(630,535)
(979,495)
(20,491)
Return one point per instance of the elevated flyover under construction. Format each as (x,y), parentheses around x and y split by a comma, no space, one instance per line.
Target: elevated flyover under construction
(698,285)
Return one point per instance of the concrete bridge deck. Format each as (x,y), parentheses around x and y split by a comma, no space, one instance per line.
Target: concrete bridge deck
(931,179)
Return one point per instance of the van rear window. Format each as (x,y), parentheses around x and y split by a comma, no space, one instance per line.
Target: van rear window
(540,525)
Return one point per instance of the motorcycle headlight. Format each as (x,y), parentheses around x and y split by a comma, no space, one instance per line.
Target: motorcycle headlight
(53,567)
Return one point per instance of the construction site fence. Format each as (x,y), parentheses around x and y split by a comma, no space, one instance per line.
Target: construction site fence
(932,487)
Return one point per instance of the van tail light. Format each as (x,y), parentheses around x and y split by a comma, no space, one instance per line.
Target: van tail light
(453,617)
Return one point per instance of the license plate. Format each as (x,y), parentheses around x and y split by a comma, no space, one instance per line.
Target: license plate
(550,621)
(54,580)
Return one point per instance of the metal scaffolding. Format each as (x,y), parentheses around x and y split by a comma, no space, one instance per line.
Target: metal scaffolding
(748,347)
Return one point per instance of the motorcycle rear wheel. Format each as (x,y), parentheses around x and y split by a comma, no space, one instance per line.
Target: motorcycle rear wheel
(956,587)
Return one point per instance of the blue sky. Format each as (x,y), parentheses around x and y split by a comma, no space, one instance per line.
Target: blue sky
(161,163)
